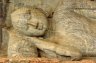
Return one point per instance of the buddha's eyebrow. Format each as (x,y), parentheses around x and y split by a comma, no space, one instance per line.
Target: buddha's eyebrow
(92,0)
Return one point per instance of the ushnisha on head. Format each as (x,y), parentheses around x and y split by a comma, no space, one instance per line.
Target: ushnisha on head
(29,21)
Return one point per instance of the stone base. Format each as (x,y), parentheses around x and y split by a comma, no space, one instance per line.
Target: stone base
(44,60)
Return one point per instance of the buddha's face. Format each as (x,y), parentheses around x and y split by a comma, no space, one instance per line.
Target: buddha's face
(29,21)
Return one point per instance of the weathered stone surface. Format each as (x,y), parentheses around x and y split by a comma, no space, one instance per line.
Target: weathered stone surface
(43,60)
(4,60)
(83,61)
(29,22)
(73,30)
(48,6)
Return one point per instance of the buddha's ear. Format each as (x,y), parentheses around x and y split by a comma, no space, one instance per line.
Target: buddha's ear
(2,21)
(7,22)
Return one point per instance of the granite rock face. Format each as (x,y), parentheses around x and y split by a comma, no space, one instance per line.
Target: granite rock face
(74,27)
(61,29)
(43,60)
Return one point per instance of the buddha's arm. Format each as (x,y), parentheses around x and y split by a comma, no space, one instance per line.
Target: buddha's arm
(58,49)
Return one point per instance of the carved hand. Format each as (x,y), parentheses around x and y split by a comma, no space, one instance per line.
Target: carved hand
(44,45)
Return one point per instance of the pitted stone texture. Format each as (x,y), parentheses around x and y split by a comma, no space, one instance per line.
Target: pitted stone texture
(48,6)
(75,29)
(70,29)
(43,60)
(82,61)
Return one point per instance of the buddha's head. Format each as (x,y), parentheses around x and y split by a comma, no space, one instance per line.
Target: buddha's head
(29,21)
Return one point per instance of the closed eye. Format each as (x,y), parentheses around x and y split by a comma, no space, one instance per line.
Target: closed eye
(31,24)
(92,0)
